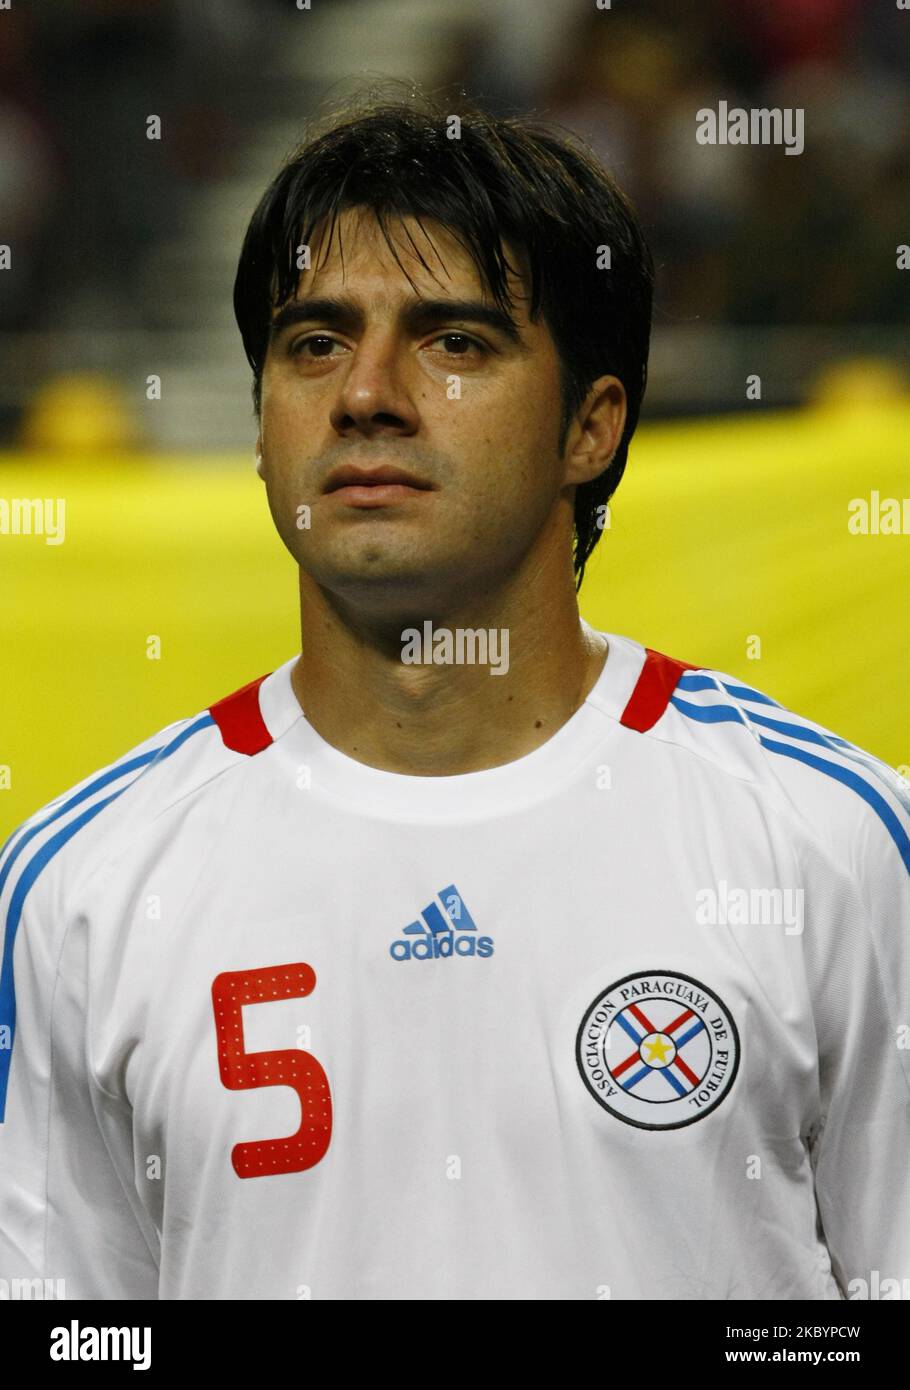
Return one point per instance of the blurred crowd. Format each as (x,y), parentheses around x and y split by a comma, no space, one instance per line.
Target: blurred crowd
(750,236)
(82,196)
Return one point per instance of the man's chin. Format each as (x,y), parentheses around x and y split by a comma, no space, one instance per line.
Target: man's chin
(374,576)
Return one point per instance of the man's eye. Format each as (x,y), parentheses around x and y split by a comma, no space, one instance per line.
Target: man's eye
(320,339)
(464,339)
(321,345)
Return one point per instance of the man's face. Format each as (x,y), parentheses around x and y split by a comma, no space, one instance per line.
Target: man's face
(379,376)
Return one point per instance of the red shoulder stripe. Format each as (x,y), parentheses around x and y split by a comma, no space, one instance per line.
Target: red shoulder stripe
(653,689)
(240,720)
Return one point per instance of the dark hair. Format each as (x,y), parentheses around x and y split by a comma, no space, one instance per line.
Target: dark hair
(506,178)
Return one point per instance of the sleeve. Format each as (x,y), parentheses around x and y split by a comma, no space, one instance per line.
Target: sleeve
(71,1225)
(859,955)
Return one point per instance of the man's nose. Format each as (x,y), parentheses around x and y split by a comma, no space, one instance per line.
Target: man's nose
(373,396)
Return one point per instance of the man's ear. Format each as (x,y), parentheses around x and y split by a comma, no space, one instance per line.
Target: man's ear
(595,433)
(259,464)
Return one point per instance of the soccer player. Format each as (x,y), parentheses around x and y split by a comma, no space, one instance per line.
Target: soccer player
(472,953)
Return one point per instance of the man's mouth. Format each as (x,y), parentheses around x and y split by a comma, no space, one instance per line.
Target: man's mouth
(373,487)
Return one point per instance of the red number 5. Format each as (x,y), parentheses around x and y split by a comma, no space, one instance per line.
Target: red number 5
(242,1071)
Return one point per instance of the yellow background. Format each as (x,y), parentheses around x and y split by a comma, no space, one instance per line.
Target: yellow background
(720,531)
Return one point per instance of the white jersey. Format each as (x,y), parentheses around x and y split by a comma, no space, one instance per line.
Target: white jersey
(626,1017)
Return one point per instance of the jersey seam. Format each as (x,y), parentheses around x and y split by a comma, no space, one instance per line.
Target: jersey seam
(240,760)
(796,821)
(781,710)
(107,854)
(663,736)
(92,1079)
(50,1091)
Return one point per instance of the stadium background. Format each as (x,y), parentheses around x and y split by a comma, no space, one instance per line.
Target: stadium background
(731,522)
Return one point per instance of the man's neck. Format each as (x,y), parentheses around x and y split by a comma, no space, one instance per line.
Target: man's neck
(426,719)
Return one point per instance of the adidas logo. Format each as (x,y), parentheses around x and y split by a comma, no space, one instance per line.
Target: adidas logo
(449,930)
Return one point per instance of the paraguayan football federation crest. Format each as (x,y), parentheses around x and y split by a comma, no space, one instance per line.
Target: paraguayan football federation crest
(658,1050)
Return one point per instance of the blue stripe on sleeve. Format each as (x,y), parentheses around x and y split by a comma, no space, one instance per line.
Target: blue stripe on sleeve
(43,857)
(721,714)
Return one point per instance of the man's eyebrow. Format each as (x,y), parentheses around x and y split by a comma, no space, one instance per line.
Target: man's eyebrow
(424,313)
(421,314)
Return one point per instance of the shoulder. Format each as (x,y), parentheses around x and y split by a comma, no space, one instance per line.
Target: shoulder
(78,830)
(848,801)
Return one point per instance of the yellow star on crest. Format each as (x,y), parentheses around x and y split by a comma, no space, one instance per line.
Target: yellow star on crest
(658,1048)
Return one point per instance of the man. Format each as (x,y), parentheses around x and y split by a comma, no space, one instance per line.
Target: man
(472,953)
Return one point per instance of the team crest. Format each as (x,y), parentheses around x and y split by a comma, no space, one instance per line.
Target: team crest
(658,1050)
